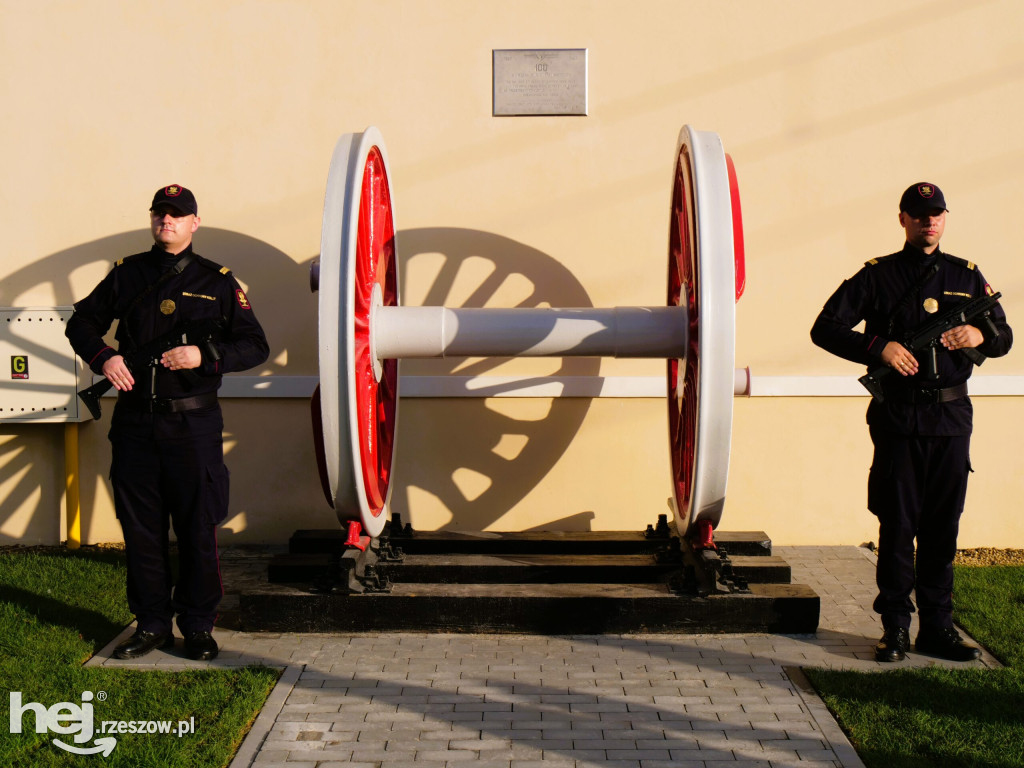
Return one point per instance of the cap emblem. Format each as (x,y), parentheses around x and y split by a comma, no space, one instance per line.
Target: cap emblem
(926,191)
(172,191)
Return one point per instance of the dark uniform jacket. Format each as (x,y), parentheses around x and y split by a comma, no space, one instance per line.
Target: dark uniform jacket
(202,291)
(890,295)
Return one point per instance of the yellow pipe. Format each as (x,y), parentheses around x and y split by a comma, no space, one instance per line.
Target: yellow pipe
(74,509)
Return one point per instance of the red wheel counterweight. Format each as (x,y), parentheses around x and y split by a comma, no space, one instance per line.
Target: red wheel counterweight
(739,248)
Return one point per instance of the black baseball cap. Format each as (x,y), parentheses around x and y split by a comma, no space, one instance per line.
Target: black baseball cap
(922,197)
(177,197)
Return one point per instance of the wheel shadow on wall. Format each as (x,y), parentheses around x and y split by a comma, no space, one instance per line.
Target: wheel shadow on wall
(279,289)
(480,457)
(506,456)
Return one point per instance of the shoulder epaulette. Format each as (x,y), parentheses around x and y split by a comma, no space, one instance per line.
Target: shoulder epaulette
(880,259)
(211,264)
(962,262)
(133,257)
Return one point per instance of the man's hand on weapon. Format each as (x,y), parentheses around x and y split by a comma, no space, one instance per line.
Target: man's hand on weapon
(962,337)
(951,329)
(117,374)
(171,350)
(182,358)
(896,356)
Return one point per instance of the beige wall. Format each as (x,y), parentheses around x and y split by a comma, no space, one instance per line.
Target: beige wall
(829,111)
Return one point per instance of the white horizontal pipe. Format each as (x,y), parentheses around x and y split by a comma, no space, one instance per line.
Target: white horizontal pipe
(286,386)
(741,382)
(641,332)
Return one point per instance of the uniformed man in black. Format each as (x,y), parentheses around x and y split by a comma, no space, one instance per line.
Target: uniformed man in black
(922,429)
(183,321)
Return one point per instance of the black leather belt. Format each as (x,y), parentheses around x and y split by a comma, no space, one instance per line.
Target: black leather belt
(165,404)
(928,396)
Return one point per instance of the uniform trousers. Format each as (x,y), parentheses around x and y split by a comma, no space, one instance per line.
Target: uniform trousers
(165,471)
(916,489)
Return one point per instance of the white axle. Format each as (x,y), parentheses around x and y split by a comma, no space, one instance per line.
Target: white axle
(643,332)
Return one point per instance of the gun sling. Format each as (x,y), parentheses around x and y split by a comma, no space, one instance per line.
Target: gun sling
(177,269)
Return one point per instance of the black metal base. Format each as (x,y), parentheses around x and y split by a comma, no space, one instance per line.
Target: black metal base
(562,609)
(535,582)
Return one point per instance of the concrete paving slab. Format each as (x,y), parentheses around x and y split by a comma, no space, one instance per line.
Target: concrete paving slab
(417,700)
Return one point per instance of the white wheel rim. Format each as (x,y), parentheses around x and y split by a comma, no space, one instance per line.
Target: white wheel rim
(344,447)
(699,494)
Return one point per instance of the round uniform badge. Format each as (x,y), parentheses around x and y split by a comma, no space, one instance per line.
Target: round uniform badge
(931,306)
(167,307)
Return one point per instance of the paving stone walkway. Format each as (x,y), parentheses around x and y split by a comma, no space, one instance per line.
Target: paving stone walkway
(417,700)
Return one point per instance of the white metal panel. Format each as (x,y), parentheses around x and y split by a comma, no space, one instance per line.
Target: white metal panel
(39,377)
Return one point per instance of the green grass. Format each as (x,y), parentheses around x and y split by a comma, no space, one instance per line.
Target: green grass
(57,608)
(938,717)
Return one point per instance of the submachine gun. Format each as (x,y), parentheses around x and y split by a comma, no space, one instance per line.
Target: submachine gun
(200,333)
(923,341)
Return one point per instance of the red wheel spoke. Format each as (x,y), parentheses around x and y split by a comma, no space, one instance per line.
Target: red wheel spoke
(375,400)
(683,290)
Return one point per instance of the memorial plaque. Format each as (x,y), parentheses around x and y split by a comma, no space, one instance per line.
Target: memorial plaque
(540,82)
